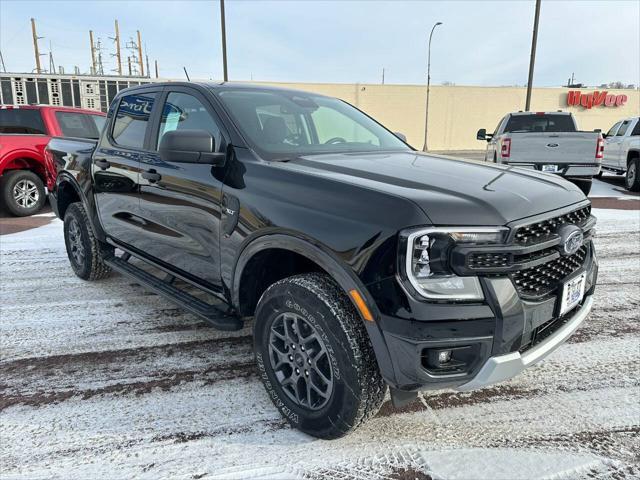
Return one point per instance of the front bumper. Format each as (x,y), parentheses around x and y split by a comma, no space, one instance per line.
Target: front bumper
(493,340)
(504,367)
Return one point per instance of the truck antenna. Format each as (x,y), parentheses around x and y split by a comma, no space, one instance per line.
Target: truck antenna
(185,72)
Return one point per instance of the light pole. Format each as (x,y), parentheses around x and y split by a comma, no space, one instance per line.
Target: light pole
(225,75)
(532,60)
(426,115)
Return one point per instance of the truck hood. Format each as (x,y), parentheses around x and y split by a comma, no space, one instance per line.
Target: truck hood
(449,191)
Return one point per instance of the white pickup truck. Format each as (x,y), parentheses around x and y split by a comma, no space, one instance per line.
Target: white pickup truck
(548,142)
(622,151)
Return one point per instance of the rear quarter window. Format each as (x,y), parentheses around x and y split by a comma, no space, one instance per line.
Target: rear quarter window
(21,122)
(636,129)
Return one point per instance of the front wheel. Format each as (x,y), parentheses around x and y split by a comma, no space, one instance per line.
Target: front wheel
(315,358)
(84,250)
(632,180)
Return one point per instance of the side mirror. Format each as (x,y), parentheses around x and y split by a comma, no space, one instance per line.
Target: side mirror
(401,136)
(190,146)
(482,134)
(604,135)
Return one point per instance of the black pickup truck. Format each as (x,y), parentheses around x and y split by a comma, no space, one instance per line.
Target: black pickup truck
(363,263)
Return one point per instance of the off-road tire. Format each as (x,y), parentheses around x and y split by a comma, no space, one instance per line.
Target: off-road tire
(91,265)
(9,183)
(584,185)
(632,178)
(358,387)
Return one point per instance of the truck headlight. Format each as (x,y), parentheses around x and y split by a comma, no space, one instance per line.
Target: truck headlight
(427,261)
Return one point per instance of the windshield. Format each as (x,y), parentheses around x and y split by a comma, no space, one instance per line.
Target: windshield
(540,123)
(282,124)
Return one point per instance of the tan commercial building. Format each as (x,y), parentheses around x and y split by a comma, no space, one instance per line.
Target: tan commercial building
(457,112)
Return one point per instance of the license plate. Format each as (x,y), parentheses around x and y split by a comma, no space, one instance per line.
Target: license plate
(550,168)
(572,293)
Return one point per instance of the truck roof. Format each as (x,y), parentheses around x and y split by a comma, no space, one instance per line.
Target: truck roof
(554,112)
(222,86)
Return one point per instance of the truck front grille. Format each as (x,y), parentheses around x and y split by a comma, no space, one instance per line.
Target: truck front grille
(544,279)
(545,229)
(483,260)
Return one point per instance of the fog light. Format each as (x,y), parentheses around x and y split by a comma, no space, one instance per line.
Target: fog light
(444,356)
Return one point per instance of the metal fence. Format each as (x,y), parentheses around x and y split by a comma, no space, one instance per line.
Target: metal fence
(93,93)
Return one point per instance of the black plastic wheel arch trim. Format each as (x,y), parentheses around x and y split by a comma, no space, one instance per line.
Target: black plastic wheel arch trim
(342,274)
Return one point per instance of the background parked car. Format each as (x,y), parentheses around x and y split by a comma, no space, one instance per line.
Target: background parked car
(622,151)
(24,134)
(546,141)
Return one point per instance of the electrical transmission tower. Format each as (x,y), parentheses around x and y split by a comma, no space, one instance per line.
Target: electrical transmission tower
(134,59)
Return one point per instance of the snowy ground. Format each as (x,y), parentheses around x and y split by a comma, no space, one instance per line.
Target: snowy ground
(104,380)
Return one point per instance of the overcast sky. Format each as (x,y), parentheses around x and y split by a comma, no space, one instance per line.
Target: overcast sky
(480,43)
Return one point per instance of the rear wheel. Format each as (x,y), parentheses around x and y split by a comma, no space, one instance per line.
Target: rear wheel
(84,250)
(315,358)
(632,180)
(22,192)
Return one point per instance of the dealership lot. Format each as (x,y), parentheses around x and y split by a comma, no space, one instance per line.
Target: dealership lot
(105,379)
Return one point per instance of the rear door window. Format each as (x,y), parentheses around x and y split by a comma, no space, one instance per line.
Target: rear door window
(80,125)
(540,123)
(132,119)
(623,128)
(612,131)
(636,129)
(18,121)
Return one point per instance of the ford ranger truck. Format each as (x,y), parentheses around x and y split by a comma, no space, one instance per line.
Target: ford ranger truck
(548,142)
(359,262)
(25,174)
(622,151)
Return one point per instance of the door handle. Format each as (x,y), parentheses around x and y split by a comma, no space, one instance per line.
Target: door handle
(151,175)
(102,163)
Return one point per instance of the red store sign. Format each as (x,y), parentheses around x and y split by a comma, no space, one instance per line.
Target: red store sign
(595,99)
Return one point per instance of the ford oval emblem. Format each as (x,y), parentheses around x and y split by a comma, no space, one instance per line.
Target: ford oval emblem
(571,239)
(552,145)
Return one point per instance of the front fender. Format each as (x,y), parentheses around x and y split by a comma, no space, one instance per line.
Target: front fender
(337,269)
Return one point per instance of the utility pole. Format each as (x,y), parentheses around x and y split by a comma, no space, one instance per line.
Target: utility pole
(129,60)
(140,55)
(117,40)
(532,61)
(146,56)
(35,45)
(156,62)
(426,114)
(93,53)
(382,75)
(224,42)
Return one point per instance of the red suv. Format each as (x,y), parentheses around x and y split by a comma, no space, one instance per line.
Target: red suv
(24,134)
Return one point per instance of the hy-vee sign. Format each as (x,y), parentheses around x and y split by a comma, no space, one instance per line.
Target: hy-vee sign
(595,99)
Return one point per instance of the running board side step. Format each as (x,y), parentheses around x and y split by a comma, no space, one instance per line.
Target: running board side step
(211,313)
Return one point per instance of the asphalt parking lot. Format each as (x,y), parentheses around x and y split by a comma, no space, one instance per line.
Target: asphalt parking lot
(107,380)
